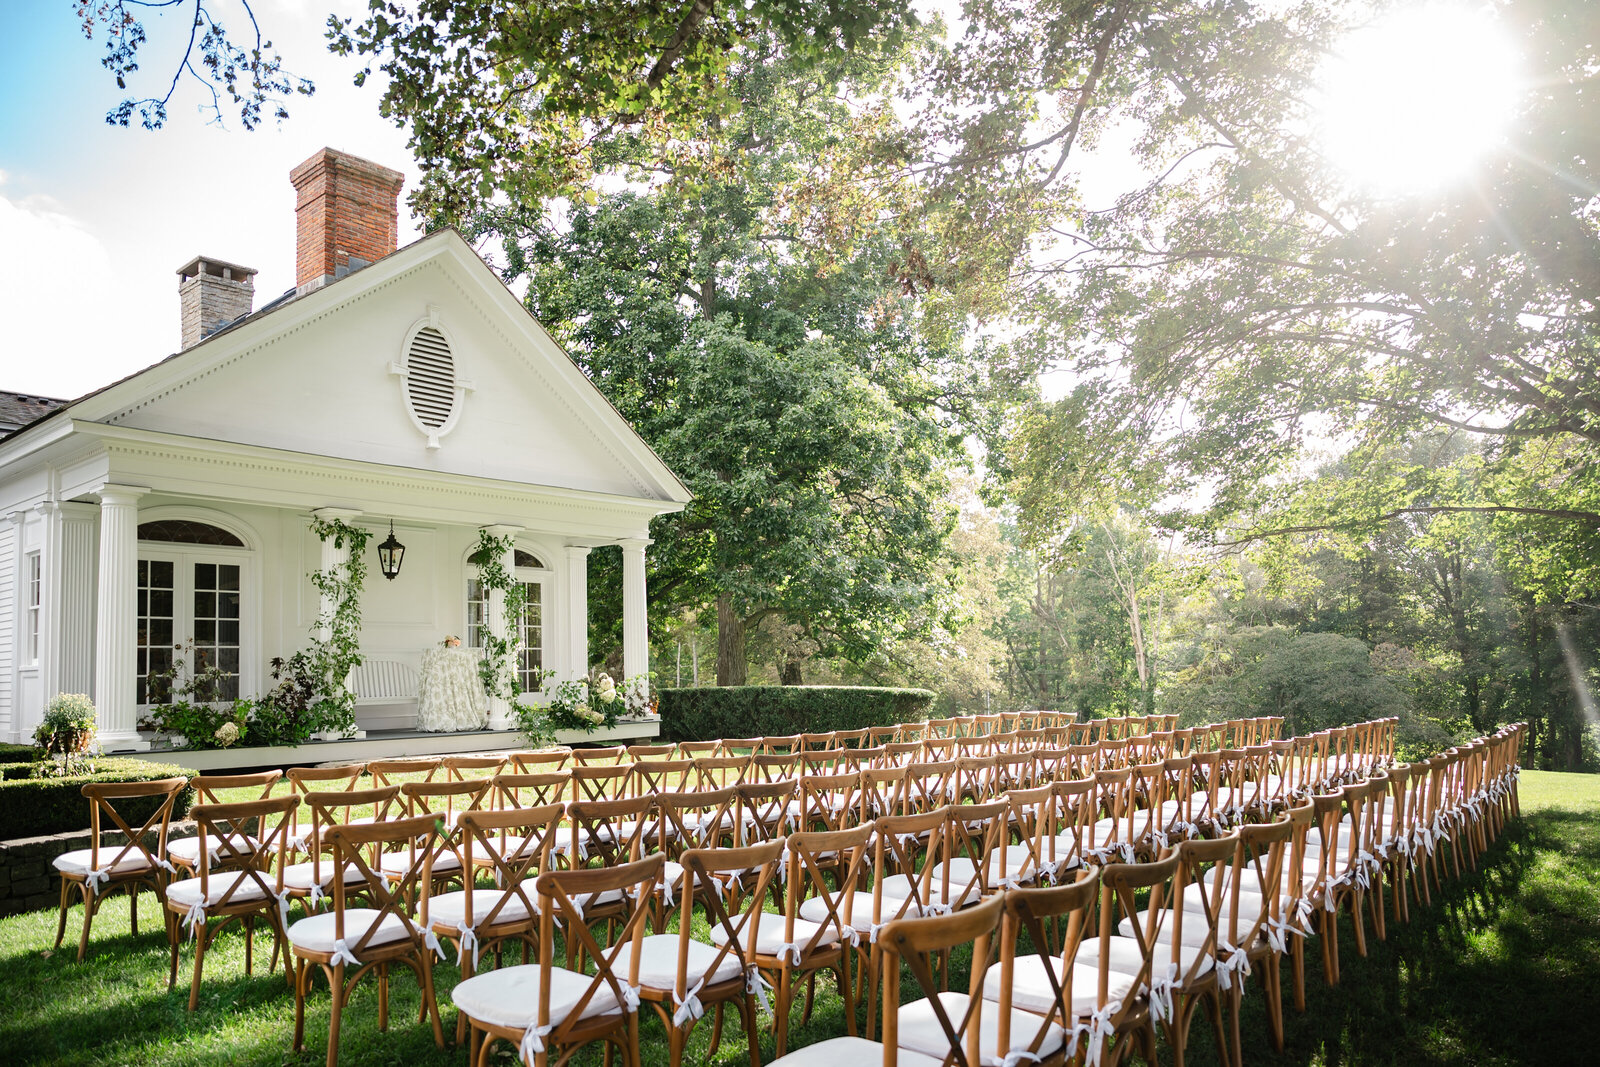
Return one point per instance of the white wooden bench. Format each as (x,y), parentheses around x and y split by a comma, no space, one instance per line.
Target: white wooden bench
(386,695)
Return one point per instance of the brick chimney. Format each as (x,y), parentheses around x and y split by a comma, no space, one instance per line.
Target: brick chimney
(212,294)
(345,216)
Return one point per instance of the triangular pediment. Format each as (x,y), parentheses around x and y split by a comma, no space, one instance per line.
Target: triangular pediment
(327,374)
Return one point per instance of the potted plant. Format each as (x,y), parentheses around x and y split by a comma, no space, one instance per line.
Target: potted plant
(68,727)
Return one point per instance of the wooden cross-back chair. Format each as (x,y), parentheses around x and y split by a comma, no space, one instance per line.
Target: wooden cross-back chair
(462,768)
(929,785)
(773,744)
(938,749)
(900,887)
(820,922)
(532,789)
(1111,834)
(692,750)
(681,976)
(240,884)
(96,872)
(1013,770)
(818,742)
(778,767)
(397,771)
(345,943)
(513,847)
(1062,852)
(599,756)
(715,772)
(184,853)
(1049,985)
(311,880)
(950,1026)
(1254,922)
(542,761)
(698,819)
(882,735)
(304,780)
(550,1012)
(657,776)
(974,778)
(444,801)
(766,810)
(884,791)
(900,753)
(829,801)
(636,753)
(600,782)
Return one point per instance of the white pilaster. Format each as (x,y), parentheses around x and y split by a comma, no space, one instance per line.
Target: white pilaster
(635,618)
(74,638)
(500,715)
(49,547)
(116,619)
(577,627)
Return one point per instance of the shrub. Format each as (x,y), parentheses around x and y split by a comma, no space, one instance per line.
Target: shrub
(755,710)
(18,754)
(33,807)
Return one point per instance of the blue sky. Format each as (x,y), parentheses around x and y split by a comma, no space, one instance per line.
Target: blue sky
(95,219)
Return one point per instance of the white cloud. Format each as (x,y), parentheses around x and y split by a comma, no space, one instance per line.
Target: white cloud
(64,305)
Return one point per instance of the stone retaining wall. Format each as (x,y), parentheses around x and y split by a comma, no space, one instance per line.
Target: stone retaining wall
(28,879)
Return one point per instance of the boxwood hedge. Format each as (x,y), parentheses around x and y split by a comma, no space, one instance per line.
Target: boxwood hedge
(773,710)
(34,807)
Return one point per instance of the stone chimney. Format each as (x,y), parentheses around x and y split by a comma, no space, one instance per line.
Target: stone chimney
(345,216)
(212,294)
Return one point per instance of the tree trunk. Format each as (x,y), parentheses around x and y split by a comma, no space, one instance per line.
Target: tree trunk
(791,671)
(732,668)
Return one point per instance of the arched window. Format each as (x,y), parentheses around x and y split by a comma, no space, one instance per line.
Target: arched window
(531,572)
(187,532)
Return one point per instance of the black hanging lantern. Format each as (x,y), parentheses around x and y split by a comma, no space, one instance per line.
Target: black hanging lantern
(390,553)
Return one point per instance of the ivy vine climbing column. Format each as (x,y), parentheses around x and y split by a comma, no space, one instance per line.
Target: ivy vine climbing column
(335,649)
(496,572)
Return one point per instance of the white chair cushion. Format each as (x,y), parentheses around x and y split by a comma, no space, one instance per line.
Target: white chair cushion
(658,962)
(899,886)
(920,1030)
(186,850)
(187,892)
(77,861)
(855,1051)
(300,875)
(449,910)
(1125,957)
(509,997)
(1030,988)
(399,863)
(814,909)
(317,933)
(769,940)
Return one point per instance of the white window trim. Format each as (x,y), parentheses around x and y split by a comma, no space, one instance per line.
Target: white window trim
(543,577)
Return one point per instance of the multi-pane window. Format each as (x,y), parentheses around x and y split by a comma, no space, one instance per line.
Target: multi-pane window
(35,598)
(157,605)
(190,604)
(216,624)
(530,659)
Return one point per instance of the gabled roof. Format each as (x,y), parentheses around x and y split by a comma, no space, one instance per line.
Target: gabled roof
(19,409)
(113,401)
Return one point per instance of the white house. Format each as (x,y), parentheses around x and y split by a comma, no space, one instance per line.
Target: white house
(406,387)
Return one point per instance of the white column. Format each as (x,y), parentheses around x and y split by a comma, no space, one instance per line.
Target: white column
(577,611)
(116,619)
(500,715)
(333,555)
(635,617)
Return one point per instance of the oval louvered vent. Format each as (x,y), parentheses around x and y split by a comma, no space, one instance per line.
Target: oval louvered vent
(430,378)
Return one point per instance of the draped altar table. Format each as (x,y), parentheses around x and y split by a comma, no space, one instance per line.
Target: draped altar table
(450,693)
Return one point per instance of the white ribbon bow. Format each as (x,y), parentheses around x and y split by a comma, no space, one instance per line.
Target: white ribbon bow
(630,997)
(1161,990)
(532,1042)
(468,943)
(1278,931)
(342,954)
(1014,1058)
(195,914)
(1236,965)
(791,950)
(1102,1028)
(166,866)
(97,877)
(689,1007)
(431,940)
(756,985)
(316,896)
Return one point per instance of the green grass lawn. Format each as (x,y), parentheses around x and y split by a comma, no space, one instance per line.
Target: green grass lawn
(1504,968)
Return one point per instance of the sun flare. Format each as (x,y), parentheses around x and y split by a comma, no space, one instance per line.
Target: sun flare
(1414,99)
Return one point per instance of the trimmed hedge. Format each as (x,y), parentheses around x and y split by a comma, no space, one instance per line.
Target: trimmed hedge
(706,714)
(34,807)
(19,753)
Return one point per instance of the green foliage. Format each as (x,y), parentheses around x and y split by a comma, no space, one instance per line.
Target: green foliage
(336,645)
(18,753)
(1313,680)
(497,668)
(776,710)
(573,78)
(66,731)
(36,806)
